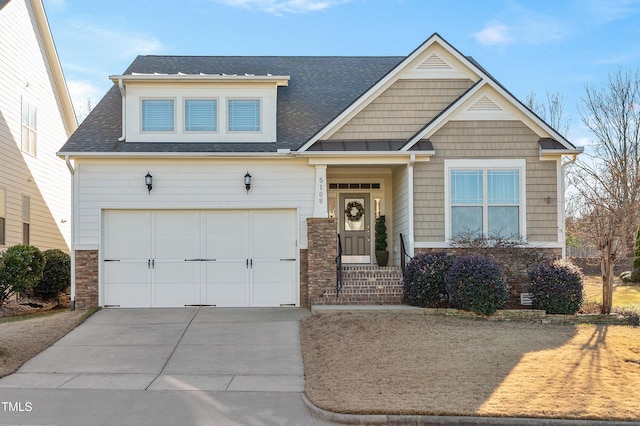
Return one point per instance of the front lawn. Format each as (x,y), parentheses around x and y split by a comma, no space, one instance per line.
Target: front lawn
(385,363)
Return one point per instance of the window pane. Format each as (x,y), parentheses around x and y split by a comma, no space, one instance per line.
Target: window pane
(504,222)
(200,115)
(466,187)
(3,239)
(25,234)
(466,220)
(503,186)
(244,115)
(157,115)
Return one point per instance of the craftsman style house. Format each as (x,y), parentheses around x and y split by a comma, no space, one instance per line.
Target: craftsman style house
(230,181)
(36,117)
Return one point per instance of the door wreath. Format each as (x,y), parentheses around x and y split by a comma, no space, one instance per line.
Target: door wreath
(354,211)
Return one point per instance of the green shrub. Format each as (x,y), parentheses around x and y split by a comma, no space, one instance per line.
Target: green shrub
(424,278)
(56,276)
(557,287)
(476,283)
(21,268)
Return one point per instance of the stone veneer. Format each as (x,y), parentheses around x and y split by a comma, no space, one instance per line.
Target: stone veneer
(321,267)
(87,288)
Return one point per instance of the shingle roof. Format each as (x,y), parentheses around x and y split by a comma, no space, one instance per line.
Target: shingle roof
(319,89)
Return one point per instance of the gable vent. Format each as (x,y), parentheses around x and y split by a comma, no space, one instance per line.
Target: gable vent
(485,104)
(434,62)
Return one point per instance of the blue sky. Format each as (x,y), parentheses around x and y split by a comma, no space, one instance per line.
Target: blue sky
(529,46)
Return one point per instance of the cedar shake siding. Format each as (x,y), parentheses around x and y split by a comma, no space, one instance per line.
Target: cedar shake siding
(403,109)
(486,139)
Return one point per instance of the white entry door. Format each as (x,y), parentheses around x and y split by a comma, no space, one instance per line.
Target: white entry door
(228,258)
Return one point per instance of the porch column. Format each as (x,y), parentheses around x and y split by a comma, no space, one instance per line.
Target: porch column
(321,258)
(320,193)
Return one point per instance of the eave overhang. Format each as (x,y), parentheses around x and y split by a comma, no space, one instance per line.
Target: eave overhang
(278,80)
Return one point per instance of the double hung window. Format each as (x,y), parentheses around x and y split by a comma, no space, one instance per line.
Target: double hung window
(485,200)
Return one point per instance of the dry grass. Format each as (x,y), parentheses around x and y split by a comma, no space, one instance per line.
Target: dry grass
(623,295)
(415,364)
(22,338)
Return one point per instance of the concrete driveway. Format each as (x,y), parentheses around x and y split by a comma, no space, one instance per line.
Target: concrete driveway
(186,366)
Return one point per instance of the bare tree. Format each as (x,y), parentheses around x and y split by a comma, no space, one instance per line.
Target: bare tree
(607,182)
(84,110)
(552,112)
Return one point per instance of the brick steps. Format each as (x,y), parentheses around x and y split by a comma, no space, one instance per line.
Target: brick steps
(366,285)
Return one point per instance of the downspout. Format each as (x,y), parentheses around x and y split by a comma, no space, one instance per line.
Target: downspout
(123,93)
(410,192)
(563,201)
(73,233)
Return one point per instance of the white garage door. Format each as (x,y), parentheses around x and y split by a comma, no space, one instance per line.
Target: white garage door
(219,258)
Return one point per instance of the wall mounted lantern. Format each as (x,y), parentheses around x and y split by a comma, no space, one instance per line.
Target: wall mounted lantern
(148,180)
(247,181)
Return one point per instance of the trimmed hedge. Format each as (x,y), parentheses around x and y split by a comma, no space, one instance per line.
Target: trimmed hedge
(557,287)
(21,268)
(476,283)
(424,275)
(56,276)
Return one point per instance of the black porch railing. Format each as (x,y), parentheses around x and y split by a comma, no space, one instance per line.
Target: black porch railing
(339,268)
(403,254)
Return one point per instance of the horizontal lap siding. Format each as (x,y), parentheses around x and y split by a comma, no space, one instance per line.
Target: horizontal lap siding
(400,204)
(189,184)
(491,140)
(403,109)
(44,178)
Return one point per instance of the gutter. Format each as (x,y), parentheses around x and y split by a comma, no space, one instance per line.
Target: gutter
(73,225)
(123,93)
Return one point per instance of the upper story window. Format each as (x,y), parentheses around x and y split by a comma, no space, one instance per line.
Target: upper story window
(29,134)
(158,115)
(201,115)
(244,115)
(485,198)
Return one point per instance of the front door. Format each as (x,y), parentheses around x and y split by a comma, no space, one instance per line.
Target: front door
(355,228)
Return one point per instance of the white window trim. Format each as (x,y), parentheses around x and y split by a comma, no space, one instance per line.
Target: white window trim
(160,132)
(486,164)
(29,129)
(228,115)
(184,115)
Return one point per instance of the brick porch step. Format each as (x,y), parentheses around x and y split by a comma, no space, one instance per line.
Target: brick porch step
(366,285)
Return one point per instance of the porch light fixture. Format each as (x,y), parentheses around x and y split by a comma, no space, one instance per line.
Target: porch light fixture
(148,180)
(247,181)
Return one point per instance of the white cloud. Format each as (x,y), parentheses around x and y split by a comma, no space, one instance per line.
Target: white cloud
(82,92)
(493,34)
(612,10)
(526,27)
(281,7)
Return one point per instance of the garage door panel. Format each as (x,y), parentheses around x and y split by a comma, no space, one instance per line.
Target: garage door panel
(127,284)
(176,235)
(177,283)
(127,235)
(226,234)
(273,283)
(226,284)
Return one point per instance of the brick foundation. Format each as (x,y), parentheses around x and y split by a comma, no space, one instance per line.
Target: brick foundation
(87,288)
(365,285)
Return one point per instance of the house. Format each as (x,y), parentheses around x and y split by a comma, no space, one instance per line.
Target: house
(228,181)
(36,117)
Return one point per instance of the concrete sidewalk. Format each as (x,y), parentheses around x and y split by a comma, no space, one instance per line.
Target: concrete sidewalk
(166,366)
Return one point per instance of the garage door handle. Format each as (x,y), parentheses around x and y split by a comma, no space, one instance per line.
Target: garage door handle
(112,260)
(192,260)
(287,260)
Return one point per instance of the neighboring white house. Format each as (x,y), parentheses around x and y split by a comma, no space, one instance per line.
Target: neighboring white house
(36,117)
(226,181)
